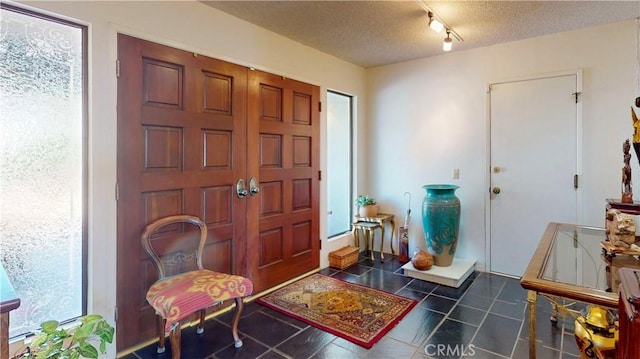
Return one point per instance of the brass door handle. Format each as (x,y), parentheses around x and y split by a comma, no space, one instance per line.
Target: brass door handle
(241,189)
(254,187)
(496,190)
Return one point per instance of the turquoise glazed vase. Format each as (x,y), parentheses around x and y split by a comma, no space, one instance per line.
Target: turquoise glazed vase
(441,221)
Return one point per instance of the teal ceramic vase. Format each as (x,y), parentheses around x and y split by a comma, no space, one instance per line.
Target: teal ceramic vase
(441,221)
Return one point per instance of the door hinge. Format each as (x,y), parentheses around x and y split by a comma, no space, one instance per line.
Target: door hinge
(320,240)
(576,95)
(117,68)
(575,181)
(117,192)
(115,314)
(319,175)
(319,106)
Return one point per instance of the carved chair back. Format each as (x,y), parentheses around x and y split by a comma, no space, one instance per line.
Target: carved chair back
(175,244)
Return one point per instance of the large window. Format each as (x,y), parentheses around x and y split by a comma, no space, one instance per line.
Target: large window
(42,166)
(339,119)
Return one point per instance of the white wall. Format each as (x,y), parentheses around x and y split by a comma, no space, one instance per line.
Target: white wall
(428,117)
(195,27)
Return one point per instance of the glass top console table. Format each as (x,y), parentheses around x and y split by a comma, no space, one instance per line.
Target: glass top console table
(567,264)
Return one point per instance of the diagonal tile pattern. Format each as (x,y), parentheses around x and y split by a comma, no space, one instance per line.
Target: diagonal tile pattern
(485,318)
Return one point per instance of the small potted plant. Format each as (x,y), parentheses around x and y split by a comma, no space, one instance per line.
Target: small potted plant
(366,206)
(77,341)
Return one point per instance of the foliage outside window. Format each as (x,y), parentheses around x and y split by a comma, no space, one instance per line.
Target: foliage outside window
(42,166)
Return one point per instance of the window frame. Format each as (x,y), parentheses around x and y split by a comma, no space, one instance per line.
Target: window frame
(84,141)
(350,161)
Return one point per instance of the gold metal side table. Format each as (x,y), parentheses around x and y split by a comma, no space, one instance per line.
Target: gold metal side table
(566,264)
(368,225)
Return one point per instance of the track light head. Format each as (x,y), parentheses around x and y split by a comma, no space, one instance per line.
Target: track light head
(434,24)
(448,42)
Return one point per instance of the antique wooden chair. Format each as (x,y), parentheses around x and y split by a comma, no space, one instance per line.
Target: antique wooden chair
(183,289)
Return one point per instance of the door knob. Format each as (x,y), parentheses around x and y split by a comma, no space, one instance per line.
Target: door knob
(254,187)
(241,189)
(496,190)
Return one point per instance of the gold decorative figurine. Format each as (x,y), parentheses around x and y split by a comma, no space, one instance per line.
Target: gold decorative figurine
(627,190)
(636,131)
(596,334)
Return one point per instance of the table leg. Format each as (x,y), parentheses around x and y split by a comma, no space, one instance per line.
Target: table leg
(381,241)
(369,241)
(4,334)
(393,231)
(554,311)
(532,297)
(356,236)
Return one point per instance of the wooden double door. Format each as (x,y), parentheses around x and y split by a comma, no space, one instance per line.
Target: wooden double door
(191,129)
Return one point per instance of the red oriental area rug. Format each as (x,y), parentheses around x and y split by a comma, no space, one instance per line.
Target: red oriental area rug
(356,313)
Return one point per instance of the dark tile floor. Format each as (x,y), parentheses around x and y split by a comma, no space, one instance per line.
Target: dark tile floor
(486,317)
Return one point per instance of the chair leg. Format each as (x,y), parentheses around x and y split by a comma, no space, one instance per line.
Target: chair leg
(174,338)
(236,320)
(161,323)
(200,328)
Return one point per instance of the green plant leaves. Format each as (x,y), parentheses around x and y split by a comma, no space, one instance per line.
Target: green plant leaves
(105,331)
(54,343)
(88,351)
(83,332)
(90,319)
(365,201)
(49,326)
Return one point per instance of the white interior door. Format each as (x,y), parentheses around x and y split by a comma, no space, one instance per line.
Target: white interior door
(533,163)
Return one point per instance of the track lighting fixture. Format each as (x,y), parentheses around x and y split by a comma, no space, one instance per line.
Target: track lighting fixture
(448,43)
(435,24)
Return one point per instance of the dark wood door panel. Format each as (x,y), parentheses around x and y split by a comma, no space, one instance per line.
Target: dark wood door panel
(152,182)
(189,127)
(283,116)
(181,149)
(285,129)
(176,117)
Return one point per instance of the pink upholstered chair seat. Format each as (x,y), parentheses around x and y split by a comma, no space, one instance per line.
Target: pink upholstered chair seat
(178,296)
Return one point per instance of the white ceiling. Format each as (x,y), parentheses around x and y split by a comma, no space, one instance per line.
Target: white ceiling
(374,33)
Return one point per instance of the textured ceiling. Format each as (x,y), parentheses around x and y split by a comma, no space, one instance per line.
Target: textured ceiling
(374,33)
